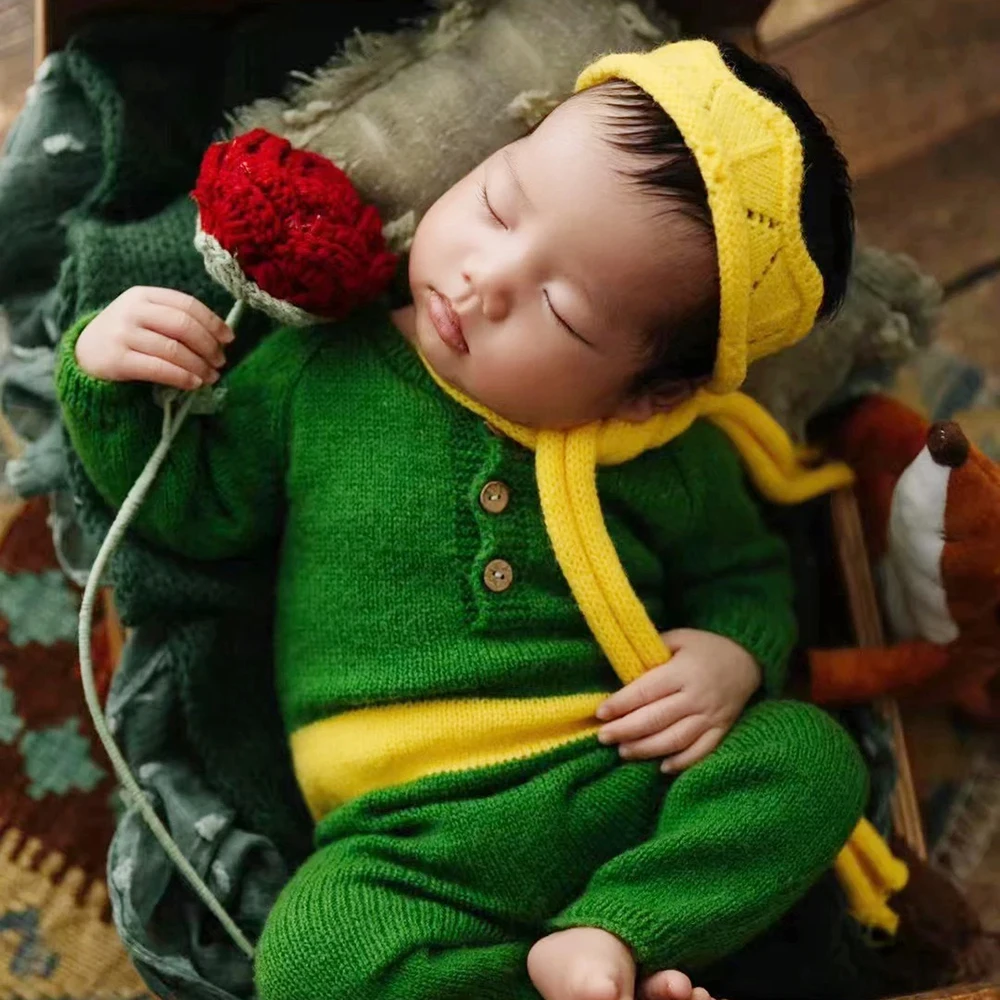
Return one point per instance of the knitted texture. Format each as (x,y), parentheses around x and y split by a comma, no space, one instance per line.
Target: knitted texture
(438,889)
(401,613)
(566,463)
(294,226)
(750,156)
(345,756)
(225,269)
(870,874)
(158,249)
(272,461)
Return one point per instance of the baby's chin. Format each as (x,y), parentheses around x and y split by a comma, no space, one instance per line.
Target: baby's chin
(511,404)
(516,402)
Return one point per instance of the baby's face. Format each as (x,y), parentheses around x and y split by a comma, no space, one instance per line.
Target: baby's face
(536,278)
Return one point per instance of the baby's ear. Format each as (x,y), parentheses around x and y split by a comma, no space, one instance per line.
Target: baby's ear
(662,399)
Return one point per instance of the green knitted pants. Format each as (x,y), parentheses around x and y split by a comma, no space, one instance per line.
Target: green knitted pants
(437,890)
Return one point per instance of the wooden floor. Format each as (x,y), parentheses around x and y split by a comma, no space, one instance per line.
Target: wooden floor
(16,52)
(912,89)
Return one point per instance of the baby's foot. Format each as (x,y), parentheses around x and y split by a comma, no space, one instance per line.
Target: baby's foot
(582,963)
(670,985)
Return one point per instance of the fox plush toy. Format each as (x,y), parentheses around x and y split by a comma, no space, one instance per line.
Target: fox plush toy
(930,505)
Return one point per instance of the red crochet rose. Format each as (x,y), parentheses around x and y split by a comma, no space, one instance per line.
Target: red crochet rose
(285,230)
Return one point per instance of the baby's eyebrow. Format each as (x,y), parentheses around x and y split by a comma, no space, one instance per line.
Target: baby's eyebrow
(509,160)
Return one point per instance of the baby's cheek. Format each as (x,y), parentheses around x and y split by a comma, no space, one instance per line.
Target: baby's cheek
(511,388)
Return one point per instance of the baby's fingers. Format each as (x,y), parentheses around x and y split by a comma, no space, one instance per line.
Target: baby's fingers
(156,345)
(644,721)
(187,305)
(651,686)
(698,750)
(136,367)
(183,328)
(678,737)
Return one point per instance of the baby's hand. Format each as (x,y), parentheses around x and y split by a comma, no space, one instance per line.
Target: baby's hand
(154,335)
(682,709)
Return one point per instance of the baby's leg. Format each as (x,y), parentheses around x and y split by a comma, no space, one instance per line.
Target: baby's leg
(740,838)
(437,889)
(354,925)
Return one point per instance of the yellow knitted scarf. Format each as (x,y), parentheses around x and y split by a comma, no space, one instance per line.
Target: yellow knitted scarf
(566,469)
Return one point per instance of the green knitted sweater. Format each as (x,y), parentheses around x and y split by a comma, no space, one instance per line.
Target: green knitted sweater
(337,441)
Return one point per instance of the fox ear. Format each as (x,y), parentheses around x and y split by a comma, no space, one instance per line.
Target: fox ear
(947,443)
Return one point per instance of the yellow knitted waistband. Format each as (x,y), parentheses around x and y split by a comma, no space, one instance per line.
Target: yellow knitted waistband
(349,755)
(749,155)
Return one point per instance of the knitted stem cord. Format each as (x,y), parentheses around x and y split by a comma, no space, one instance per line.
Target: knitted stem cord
(172,423)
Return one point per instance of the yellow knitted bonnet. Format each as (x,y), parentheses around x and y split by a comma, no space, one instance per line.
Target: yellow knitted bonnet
(749,154)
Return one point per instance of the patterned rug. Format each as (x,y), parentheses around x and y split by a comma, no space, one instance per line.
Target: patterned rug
(57,793)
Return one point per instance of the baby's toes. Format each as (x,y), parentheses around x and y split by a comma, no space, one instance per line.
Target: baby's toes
(667,985)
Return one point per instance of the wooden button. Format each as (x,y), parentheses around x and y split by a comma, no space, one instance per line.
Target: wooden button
(494,497)
(498,575)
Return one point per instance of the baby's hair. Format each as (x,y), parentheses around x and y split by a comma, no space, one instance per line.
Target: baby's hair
(684,352)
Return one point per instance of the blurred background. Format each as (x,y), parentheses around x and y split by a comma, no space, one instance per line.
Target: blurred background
(911,89)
